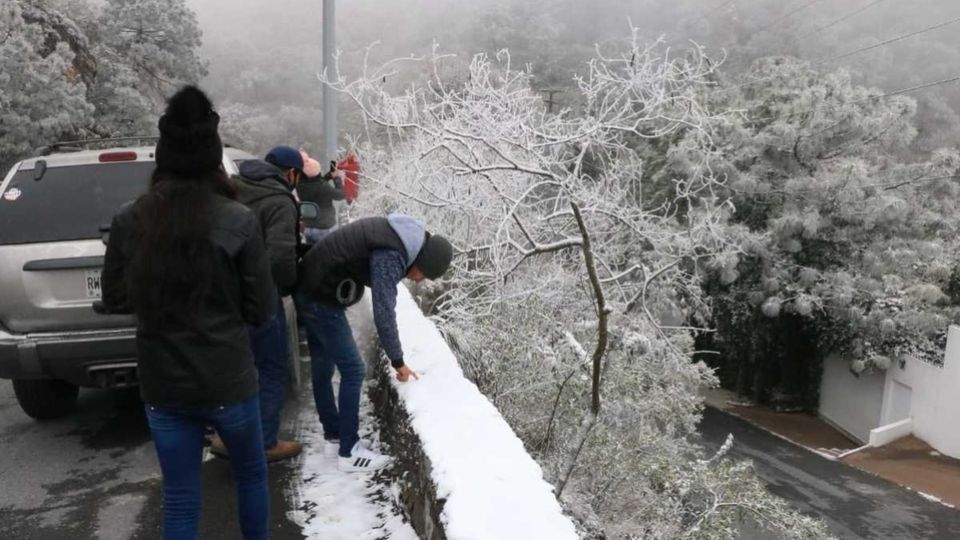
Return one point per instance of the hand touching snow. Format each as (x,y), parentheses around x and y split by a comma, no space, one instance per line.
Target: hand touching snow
(404,373)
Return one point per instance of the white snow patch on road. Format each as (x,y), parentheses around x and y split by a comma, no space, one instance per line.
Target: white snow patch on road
(333,505)
(933,498)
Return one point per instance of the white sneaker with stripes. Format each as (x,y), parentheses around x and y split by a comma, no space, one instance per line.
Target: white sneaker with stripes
(362,459)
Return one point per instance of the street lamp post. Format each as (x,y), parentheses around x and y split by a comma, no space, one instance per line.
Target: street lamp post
(330,69)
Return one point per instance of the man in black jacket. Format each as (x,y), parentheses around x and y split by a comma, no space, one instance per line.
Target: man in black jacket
(373,252)
(266,188)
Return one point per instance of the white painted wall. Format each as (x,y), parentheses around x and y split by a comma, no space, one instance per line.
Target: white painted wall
(934,397)
(928,395)
(852,403)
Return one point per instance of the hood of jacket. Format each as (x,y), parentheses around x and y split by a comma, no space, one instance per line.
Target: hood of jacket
(259,179)
(411,232)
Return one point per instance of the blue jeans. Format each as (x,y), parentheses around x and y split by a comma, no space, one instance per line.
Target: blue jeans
(332,347)
(272,358)
(178,438)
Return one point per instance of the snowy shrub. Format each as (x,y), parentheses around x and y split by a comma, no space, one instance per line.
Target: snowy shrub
(771,307)
(580,253)
(857,242)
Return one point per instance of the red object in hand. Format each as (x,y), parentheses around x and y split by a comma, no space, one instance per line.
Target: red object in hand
(351,184)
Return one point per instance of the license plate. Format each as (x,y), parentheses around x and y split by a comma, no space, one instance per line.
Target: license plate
(93,284)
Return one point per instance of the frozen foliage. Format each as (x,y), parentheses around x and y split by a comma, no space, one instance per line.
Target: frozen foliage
(41,97)
(845,233)
(75,69)
(578,270)
(257,128)
(156,39)
(147,49)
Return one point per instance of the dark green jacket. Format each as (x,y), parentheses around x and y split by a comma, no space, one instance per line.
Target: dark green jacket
(261,187)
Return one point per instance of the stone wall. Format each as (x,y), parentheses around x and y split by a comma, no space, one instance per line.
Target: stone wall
(417,492)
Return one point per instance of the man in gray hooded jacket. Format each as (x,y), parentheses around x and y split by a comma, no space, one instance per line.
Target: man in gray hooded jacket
(374,252)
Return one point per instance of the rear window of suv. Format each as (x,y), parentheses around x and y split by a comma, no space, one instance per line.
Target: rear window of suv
(68,203)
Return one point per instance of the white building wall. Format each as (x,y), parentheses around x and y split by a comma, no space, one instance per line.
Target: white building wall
(852,403)
(933,394)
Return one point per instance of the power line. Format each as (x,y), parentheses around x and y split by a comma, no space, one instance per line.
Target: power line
(776,22)
(705,14)
(889,41)
(869,98)
(850,53)
(780,21)
(910,89)
(844,18)
(719,7)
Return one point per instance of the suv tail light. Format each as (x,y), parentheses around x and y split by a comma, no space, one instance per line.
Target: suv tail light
(110,157)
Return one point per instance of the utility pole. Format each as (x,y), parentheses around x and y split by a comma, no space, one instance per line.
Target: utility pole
(329,95)
(550,101)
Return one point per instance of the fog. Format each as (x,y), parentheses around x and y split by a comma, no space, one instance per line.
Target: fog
(267,54)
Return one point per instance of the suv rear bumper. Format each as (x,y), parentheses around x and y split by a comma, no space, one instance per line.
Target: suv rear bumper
(82,358)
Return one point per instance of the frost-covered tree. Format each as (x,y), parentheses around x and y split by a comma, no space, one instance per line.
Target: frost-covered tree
(259,128)
(42,94)
(851,243)
(75,69)
(570,293)
(149,48)
(157,39)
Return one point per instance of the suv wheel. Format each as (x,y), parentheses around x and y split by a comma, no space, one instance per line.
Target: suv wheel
(45,399)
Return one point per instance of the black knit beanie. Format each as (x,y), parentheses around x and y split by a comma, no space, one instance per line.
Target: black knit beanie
(189,143)
(435,256)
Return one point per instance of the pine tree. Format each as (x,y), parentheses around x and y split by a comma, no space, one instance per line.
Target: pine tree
(42,95)
(149,48)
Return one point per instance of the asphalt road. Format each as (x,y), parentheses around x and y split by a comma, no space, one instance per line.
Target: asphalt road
(94,475)
(855,504)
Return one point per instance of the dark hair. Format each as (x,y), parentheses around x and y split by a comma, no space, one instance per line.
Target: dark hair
(171,267)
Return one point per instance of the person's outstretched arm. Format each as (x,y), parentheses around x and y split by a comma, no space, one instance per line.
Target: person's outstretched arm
(387,269)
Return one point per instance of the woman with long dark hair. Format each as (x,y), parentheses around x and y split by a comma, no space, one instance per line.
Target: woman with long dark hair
(190,263)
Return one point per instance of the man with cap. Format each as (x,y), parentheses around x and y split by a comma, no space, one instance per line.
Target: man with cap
(266,187)
(374,252)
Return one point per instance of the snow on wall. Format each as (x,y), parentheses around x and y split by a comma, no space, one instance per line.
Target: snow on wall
(490,487)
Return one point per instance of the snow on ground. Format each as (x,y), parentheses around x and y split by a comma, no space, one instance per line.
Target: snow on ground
(932,498)
(333,505)
(493,489)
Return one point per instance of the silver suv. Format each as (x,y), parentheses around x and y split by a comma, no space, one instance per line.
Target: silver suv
(55,213)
